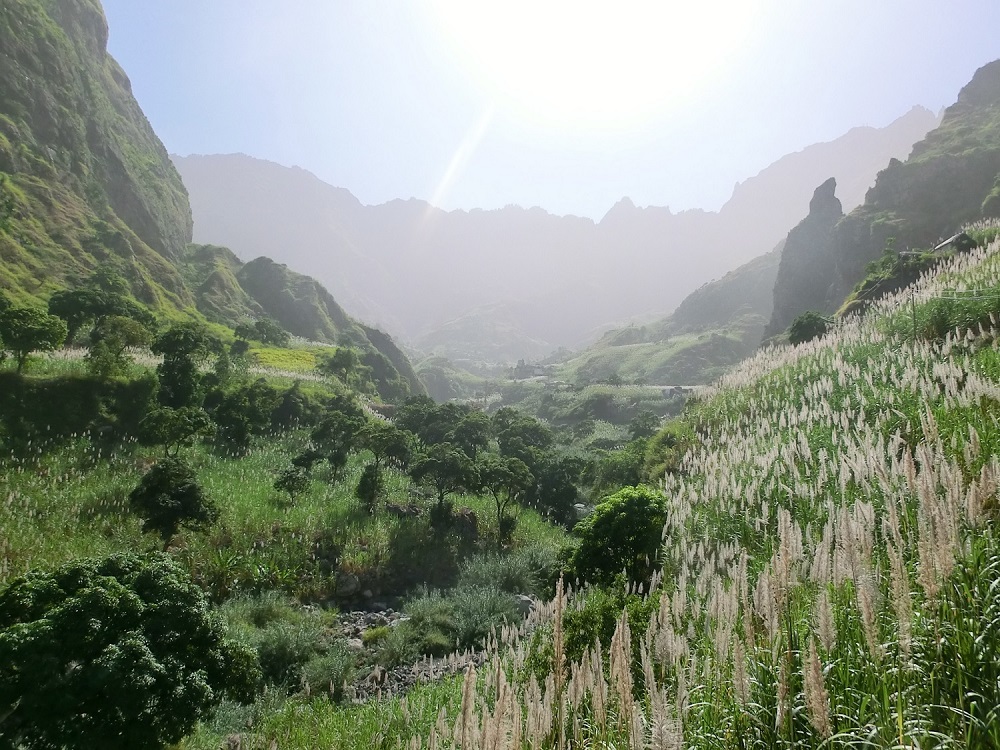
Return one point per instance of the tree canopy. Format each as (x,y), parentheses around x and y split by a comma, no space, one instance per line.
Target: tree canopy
(24,330)
(168,497)
(114,653)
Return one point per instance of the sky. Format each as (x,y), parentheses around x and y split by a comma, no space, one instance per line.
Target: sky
(565,105)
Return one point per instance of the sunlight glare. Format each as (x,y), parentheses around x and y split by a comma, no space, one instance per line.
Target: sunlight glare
(592,65)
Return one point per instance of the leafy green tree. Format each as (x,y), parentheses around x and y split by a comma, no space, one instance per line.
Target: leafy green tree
(265,330)
(620,468)
(808,326)
(78,307)
(24,330)
(555,492)
(446,468)
(169,497)
(624,533)
(643,425)
(244,412)
(174,428)
(110,340)
(118,653)
(343,364)
(506,479)
(295,408)
(335,437)
(386,442)
(472,433)
(370,487)
(269,332)
(293,480)
(183,347)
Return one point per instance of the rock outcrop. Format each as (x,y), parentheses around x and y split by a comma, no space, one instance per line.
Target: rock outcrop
(807,263)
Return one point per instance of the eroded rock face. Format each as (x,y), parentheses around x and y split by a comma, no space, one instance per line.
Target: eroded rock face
(807,263)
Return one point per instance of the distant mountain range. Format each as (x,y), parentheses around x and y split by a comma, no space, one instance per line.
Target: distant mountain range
(496,286)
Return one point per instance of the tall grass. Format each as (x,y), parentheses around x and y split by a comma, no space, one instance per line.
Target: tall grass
(830,558)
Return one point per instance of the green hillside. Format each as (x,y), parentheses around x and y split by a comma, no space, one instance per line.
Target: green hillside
(712,329)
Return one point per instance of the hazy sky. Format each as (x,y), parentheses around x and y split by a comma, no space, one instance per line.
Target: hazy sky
(565,105)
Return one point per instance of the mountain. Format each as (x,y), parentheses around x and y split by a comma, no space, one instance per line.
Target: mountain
(713,328)
(447,282)
(85,184)
(85,179)
(948,180)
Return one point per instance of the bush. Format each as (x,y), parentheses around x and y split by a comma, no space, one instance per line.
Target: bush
(328,672)
(808,326)
(283,648)
(622,534)
(478,610)
(126,642)
(523,572)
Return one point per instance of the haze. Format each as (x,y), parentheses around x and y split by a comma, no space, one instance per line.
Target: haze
(568,106)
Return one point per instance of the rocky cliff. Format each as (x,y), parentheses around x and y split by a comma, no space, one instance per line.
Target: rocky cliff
(947,181)
(807,263)
(86,179)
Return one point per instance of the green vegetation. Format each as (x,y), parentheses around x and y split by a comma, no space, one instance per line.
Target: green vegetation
(126,642)
(808,326)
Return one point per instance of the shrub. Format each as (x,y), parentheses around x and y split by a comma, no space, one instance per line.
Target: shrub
(808,326)
(284,648)
(168,497)
(622,534)
(113,653)
(329,671)
(478,610)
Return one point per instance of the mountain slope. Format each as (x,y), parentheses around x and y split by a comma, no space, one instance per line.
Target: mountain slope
(446,280)
(945,183)
(712,329)
(88,180)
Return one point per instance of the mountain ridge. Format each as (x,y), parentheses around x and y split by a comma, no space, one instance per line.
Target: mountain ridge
(378,259)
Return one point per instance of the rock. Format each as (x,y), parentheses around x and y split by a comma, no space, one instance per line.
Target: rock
(525,604)
(347,584)
(355,644)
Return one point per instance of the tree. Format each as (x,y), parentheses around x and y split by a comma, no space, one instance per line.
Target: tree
(77,307)
(808,326)
(370,487)
(244,412)
(169,497)
(110,340)
(644,424)
(624,533)
(294,480)
(117,653)
(506,479)
(472,433)
(24,330)
(386,442)
(335,437)
(183,346)
(343,363)
(446,468)
(174,428)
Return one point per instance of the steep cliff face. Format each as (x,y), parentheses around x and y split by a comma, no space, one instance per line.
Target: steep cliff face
(807,262)
(947,181)
(86,177)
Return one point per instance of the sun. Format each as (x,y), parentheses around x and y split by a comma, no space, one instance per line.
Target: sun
(588,65)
